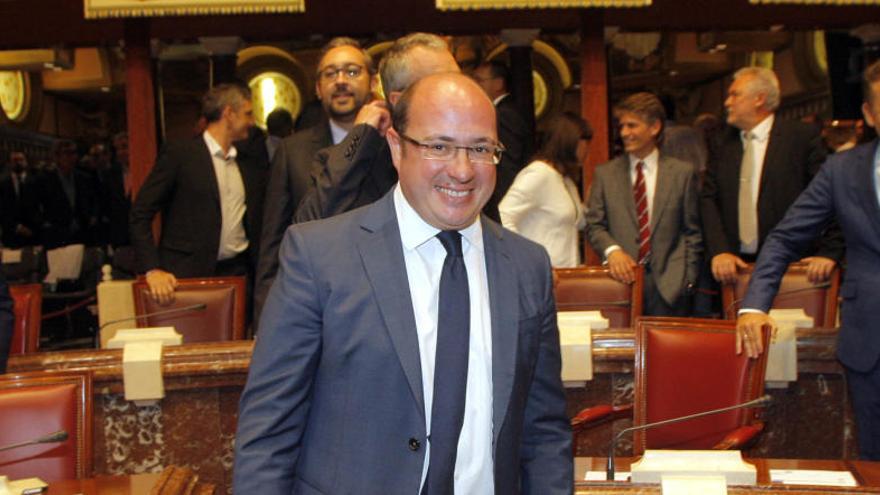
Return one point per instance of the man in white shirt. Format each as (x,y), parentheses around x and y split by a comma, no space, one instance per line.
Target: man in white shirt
(643,210)
(202,193)
(410,346)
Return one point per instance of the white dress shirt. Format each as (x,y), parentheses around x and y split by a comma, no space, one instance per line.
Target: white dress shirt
(233,239)
(424,255)
(761,137)
(337,132)
(545,207)
(649,170)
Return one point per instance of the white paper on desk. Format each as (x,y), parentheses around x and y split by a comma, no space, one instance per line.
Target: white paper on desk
(10,256)
(600,476)
(64,262)
(782,355)
(812,477)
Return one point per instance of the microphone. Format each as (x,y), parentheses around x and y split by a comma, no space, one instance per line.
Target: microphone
(56,437)
(192,307)
(609,466)
(822,286)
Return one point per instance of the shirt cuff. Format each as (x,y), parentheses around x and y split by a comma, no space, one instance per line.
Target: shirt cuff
(749,310)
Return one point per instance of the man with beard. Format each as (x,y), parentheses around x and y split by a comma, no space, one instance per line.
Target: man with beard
(200,189)
(344,82)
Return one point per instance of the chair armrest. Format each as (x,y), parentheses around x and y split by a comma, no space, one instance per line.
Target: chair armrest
(596,415)
(740,437)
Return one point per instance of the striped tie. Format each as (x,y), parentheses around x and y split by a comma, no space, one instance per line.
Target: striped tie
(640,196)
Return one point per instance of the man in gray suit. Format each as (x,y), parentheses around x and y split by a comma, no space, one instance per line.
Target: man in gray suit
(643,210)
(344,83)
(385,365)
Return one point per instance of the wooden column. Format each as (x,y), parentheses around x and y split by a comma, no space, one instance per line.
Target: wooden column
(140,102)
(594,101)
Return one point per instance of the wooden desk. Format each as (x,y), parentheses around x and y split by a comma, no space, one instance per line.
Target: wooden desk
(135,484)
(867,474)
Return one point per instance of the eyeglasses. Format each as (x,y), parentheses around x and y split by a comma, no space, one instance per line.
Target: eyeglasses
(489,154)
(349,72)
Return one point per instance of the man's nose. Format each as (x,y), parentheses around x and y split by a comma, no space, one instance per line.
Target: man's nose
(461,168)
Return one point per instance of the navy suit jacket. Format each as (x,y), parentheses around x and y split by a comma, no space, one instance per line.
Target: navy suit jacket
(843,189)
(333,402)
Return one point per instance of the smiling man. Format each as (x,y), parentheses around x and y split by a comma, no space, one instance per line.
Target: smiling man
(421,355)
(643,210)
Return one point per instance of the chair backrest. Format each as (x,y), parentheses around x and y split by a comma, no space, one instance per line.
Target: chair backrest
(40,403)
(28,300)
(795,291)
(222,319)
(685,366)
(591,288)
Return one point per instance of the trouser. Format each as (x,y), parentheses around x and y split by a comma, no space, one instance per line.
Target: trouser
(653,303)
(864,388)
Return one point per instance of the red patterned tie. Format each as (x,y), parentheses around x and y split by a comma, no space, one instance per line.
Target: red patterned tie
(640,196)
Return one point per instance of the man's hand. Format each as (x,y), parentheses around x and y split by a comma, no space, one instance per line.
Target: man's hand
(819,268)
(162,285)
(623,268)
(724,267)
(748,333)
(375,114)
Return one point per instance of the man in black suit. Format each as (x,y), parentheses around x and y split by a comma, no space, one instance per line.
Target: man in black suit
(344,83)
(19,204)
(68,199)
(513,130)
(358,170)
(7,318)
(776,159)
(202,192)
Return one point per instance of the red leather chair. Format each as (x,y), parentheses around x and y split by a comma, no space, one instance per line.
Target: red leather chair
(28,300)
(795,291)
(685,366)
(223,319)
(591,288)
(39,403)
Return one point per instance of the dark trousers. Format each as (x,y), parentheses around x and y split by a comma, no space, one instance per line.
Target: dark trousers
(865,391)
(653,303)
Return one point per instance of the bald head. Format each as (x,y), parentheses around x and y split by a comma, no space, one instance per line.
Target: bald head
(438,87)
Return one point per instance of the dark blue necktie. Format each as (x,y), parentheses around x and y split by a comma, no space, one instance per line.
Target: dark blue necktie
(450,366)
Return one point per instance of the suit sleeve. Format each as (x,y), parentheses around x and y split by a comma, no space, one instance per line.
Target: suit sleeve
(277,216)
(597,217)
(153,196)
(546,461)
(338,173)
(7,319)
(692,231)
(275,404)
(523,196)
(802,224)
(713,230)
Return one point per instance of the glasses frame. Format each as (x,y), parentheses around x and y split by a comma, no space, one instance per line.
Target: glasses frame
(425,147)
(344,70)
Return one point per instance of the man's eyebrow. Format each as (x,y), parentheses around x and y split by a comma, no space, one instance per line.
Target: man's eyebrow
(448,139)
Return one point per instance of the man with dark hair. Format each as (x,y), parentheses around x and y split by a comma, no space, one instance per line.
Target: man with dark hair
(202,193)
(410,346)
(68,199)
(358,170)
(643,210)
(847,189)
(513,130)
(760,166)
(344,83)
(279,125)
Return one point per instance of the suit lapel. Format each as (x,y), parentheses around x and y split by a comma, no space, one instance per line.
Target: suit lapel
(662,191)
(504,308)
(382,254)
(773,155)
(206,168)
(624,182)
(321,135)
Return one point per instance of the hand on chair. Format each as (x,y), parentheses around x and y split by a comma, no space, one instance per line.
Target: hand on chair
(162,285)
(749,335)
(622,266)
(725,266)
(819,268)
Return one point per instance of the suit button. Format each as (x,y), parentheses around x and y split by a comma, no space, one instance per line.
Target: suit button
(414,444)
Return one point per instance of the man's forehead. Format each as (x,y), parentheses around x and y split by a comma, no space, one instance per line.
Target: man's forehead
(342,55)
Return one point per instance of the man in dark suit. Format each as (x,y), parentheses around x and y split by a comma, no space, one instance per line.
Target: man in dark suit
(7,319)
(68,197)
(19,204)
(358,170)
(513,130)
(202,192)
(344,84)
(385,365)
(643,210)
(776,159)
(845,189)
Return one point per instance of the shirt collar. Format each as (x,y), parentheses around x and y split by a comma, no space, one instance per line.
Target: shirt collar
(761,132)
(415,231)
(496,101)
(337,132)
(650,161)
(215,149)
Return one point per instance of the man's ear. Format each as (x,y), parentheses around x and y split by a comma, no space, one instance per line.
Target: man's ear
(869,117)
(395,146)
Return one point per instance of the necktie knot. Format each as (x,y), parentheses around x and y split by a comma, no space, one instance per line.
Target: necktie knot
(451,240)
(640,166)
